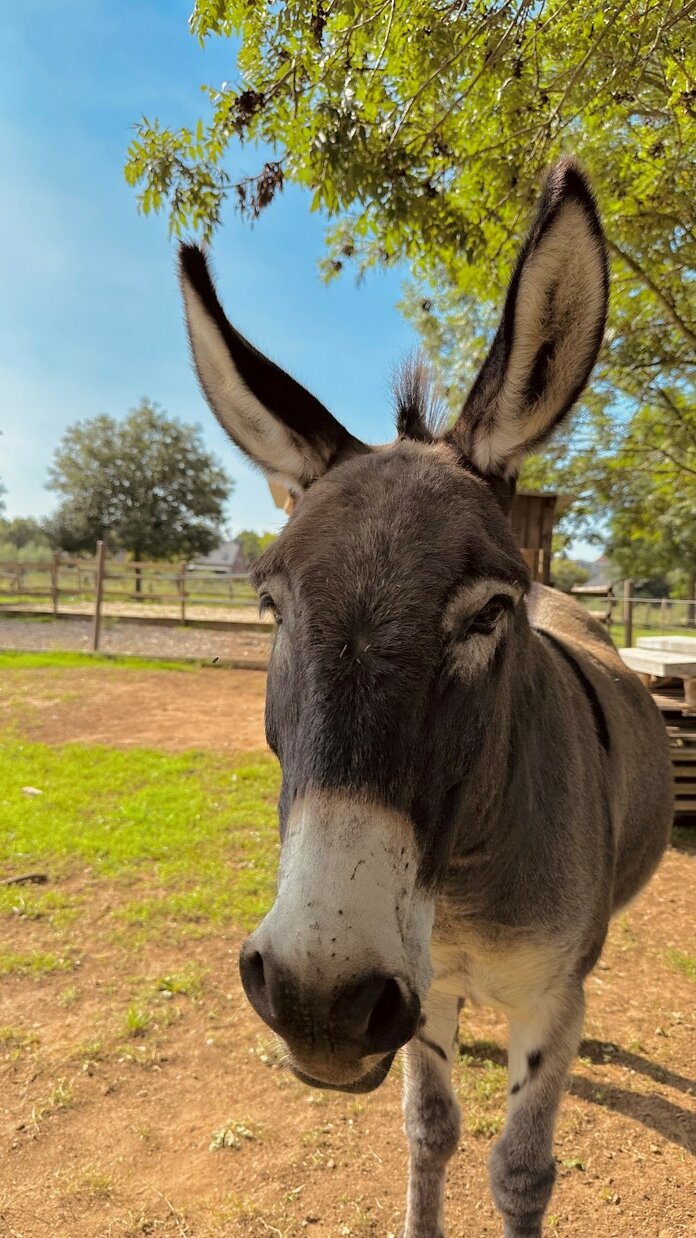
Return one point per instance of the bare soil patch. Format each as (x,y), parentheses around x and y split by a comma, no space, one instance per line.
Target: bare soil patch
(106,1130)
(232,612)
(213,709)
(105,1134)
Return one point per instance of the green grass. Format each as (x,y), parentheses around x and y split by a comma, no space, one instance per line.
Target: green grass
(618,633)
(186,983)
(192,837)
(66,660)
(137,1021)
(60,1097)
(14,1040)
(33,963)
(682,962)
(30,903)
(482,1089)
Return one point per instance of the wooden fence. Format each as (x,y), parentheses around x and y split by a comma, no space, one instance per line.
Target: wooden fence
(64,580)
(181,587)
(619,606)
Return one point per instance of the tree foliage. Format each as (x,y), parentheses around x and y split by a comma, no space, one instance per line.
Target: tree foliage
(22,531)
(253,544)
(145,485)
(422,132)
(566,572)
(649,486)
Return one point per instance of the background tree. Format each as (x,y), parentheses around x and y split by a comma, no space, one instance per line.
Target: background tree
(649,486)
(253,544)
(423,131)
(145,485)
(566,572)
(22,531)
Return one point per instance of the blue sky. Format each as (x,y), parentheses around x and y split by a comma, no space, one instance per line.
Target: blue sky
(90,319)
(89,316)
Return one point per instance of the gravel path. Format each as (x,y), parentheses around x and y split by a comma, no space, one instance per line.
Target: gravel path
(148,610)
(43,634)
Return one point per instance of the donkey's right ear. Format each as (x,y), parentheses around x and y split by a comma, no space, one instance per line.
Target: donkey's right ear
(275,421)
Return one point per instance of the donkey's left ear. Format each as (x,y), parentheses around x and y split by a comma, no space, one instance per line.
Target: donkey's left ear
(275,421)
(550,333)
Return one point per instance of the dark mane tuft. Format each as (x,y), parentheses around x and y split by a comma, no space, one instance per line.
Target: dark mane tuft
(420,412)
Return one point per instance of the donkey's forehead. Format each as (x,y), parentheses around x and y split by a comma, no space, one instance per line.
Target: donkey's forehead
(411,508)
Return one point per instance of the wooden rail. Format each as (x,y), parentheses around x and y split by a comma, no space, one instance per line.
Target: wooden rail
(62,579)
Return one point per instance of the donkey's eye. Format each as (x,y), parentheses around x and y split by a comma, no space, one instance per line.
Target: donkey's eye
(485,620)
(268,607)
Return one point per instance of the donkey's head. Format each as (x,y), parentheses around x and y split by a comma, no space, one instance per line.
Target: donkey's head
(396,588)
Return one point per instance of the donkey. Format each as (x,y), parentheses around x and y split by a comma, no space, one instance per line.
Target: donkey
(472,782)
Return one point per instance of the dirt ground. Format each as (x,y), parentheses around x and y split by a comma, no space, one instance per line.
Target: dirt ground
(232,613)
(103,1136)
(43,634)
(212,709)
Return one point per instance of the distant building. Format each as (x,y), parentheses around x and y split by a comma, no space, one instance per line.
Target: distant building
(226,558)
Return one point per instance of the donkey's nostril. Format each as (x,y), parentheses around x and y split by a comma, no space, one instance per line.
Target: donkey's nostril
(393,1018)
(253,974)
(385,1012)
(255,971)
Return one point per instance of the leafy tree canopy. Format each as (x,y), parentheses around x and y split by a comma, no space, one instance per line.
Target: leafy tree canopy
(649,488)
(145,485)
(422,131)
(22,531)
(566,572)
(253,544)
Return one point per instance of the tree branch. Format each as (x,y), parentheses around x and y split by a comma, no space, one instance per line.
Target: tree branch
(438,72)
(685,468)
(682,422)
(665,302)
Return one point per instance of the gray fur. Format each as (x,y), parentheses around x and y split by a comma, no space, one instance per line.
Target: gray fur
(473,782)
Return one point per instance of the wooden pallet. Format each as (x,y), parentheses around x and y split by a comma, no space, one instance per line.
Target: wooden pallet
(682,741)
(670,700)
(681,729)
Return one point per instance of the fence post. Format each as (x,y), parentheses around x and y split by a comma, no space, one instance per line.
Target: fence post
(628,613)
(54,580)
(98,591)
(182,592)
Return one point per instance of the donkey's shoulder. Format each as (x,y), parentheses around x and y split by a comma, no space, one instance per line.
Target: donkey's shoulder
(556,612)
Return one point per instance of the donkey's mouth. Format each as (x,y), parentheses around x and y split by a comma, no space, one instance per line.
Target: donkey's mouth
(367,1083)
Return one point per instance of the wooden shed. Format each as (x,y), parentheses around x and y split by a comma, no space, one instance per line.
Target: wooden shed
(532,518)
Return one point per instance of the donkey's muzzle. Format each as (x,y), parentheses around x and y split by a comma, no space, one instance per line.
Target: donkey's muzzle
(373,1015)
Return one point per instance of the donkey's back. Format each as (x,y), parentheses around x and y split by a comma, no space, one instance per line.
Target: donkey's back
(640,790)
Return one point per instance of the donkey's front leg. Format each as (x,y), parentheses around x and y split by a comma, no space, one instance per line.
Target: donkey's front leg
(543,1042)
(432,1115)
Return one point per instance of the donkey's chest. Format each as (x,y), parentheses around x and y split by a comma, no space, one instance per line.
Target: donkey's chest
(509,975)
